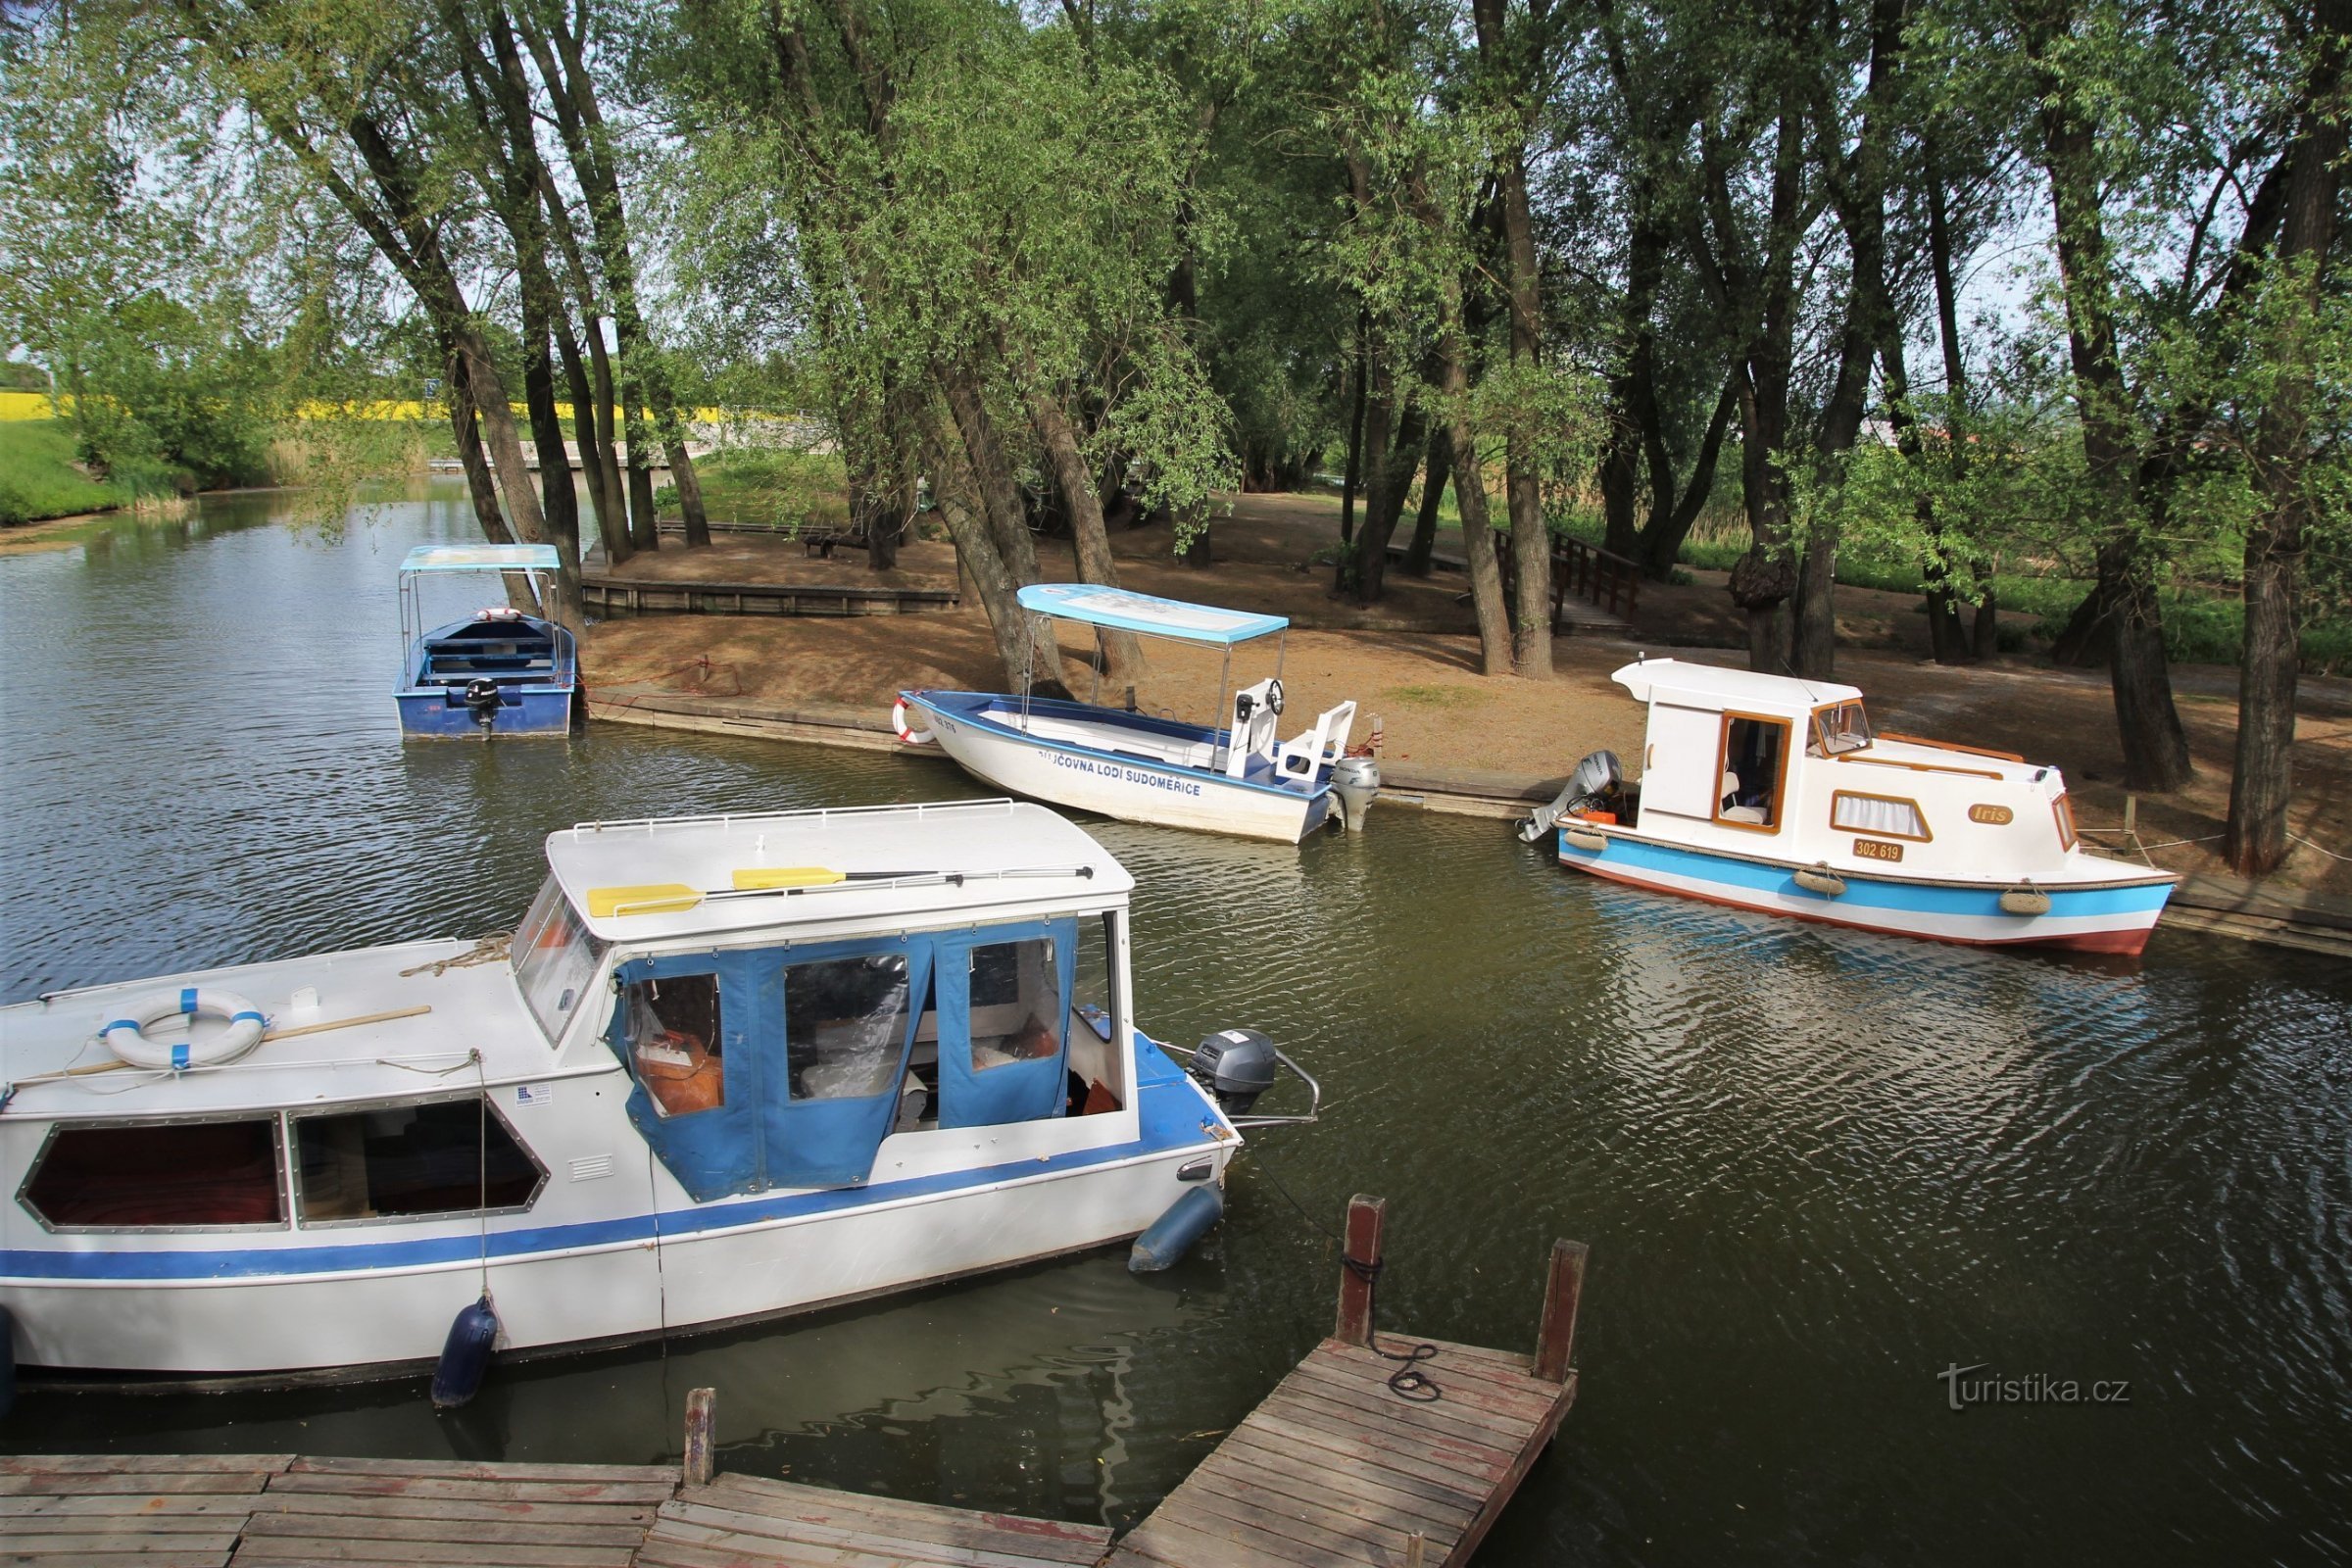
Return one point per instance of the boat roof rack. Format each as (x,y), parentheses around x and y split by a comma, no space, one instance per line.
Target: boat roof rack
(481,558)
(1148,614)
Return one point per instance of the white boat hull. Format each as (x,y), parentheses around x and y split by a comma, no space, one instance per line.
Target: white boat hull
(1132,789)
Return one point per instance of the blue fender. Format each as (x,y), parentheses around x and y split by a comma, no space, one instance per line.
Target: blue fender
(465,1356)
(1173,1234)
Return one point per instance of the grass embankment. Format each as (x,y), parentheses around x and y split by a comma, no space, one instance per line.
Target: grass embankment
(38,478)
(768,488)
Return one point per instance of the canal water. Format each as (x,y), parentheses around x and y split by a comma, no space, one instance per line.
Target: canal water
(1818,1171)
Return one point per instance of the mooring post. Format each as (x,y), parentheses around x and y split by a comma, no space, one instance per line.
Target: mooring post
(700,1410)
(1416,1550)
(1556,1335)
(1358,1264)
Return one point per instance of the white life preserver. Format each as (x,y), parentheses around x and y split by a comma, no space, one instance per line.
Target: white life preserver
(498,612)
(898,721)
(126,1035)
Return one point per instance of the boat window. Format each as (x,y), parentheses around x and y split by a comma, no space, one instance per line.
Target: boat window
(1839,729)
(2064,810)
(554,958)
(175,1177)
(1886,816)
(449,1157)
(670,1035)
(844,1022)
(1755,754)
(1016,1001)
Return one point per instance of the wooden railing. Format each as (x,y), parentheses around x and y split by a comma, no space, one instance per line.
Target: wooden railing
(1611,583)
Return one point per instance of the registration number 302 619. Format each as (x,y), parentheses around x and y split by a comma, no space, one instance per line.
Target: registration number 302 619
(1874,850)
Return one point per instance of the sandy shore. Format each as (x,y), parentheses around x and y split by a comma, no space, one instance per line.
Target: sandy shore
(1411,662)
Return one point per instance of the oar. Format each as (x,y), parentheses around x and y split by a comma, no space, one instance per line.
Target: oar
(671,898)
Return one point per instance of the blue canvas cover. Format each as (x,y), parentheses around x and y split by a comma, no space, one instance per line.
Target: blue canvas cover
(716,1151)
(814,1138)
(1026,1089)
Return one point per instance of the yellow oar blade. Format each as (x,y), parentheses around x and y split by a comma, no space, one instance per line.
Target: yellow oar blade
(656,898)
(755,878)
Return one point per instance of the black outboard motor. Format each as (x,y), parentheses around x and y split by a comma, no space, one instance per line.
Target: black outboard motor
(1237,1065)
(481,700)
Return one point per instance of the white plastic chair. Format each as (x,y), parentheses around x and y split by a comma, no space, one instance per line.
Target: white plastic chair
(1304,756)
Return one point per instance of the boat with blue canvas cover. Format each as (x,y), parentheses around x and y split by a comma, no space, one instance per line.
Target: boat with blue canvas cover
(498,672)
(1767,791)
(1235,776)
(725,1067)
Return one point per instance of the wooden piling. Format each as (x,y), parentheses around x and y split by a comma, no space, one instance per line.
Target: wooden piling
(701,1409)
(1367,1218)
(1563,1288)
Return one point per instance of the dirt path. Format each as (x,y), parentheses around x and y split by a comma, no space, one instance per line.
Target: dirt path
(1412,663)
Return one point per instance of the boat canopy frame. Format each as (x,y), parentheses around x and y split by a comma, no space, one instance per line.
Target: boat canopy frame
(1108,608)
(532,562)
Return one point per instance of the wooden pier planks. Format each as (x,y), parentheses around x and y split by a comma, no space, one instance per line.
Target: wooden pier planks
(148,1510)
(403,1513)
(750,1522)
(1334,1467)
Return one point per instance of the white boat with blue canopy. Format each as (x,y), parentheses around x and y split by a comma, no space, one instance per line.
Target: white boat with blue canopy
(1235,776)
(500,670)
(725,1067)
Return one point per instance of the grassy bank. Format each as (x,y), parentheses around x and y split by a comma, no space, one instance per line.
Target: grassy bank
(37,476)
(770,488)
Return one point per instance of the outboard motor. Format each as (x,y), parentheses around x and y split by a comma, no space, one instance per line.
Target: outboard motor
(481,701)
(1237,1065)
(1355,780)
(1596,778)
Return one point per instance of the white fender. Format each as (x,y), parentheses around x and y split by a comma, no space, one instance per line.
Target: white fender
(126,1035)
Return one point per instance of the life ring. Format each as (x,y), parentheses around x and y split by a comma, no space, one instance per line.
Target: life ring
(498,612)
(126,1035)
(898,721)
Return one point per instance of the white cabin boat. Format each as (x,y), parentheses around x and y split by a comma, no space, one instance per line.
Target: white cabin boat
(725,1067)
(1236,777)
(1770,793)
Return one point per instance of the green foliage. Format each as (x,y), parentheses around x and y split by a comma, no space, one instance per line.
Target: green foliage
(776,489)
(38,477)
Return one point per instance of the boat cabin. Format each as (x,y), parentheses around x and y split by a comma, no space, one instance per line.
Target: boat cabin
(1776,767)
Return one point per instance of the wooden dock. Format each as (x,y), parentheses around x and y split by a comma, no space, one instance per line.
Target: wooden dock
(1342,1465)
(609,596)
(1381,1450)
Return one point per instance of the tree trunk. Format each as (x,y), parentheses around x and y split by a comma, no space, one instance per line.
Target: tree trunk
(1531,542)
(562,505)
(2155,747)
(1001,502)
(1354,379)
(612,516)
(977,552)
(1385,504)
(1380,408)
(1632,391)
(1433,495)
(1671,518)
(471,457)
(1090,539)
(2262,779)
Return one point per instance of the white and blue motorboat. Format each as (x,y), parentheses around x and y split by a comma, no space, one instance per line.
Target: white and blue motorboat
(1238,776)
(726,1068)
(1766,792)
(500,670)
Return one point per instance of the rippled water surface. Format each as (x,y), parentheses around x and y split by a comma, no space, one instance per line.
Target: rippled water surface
(1815,1169)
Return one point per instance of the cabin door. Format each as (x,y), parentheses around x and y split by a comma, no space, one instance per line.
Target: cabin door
(1004,1023)
(1680,773)
(849,1011)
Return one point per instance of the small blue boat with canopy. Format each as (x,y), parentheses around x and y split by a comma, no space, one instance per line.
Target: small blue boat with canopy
(1235,774)
(500,670)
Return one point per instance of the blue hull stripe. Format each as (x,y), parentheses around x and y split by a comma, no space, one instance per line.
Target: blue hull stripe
(1917,897)
(1171,1120)
(967,707)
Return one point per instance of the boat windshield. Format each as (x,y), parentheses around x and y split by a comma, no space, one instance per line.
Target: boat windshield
(1840,727)
(554,958)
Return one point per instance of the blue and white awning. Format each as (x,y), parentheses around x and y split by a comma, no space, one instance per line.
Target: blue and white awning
(1153,616)
(481,558)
